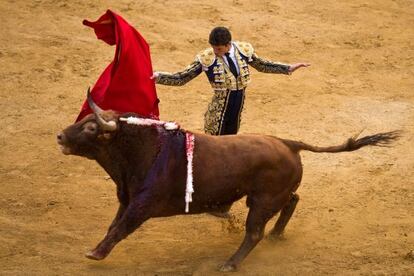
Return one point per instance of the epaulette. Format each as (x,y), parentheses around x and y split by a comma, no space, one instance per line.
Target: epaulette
(245,48)
(206,57)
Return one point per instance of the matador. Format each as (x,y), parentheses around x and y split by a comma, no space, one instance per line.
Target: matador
(226,65)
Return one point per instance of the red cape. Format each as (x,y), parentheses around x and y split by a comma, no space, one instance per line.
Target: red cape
(125,84)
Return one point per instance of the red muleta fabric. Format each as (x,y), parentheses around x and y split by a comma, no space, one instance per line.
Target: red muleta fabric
(125,84)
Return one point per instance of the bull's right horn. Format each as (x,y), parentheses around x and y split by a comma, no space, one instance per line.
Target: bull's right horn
(109,126)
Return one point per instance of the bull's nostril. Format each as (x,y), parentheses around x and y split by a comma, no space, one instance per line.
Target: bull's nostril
(59,137)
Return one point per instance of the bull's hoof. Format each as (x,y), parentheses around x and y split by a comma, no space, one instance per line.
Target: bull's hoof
(93,255)
(228,268)
(273,237)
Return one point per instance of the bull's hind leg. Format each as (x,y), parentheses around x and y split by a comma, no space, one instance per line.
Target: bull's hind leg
(255,224)
(285,215)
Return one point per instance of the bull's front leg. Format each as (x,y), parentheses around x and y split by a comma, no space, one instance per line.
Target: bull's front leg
(133,216)
(118,216)
(123,204)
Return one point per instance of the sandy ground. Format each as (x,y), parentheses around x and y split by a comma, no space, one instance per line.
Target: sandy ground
(356,214)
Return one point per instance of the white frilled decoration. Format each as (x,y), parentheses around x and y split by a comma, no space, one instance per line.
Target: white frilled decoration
(189,147)
(150,122)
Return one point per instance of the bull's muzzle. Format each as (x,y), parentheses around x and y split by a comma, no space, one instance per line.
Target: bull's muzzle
(61,142)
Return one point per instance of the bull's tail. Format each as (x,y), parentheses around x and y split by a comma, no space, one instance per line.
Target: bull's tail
(380,139)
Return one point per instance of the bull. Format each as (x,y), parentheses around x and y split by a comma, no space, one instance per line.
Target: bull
(149,167)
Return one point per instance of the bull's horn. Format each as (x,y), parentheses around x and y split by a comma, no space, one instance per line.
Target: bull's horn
(95,108)
(109,126)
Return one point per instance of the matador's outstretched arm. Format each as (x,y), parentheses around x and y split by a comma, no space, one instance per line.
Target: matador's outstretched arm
(267,66)
(178,78)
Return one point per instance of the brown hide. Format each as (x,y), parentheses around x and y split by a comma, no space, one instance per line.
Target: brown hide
(148,164)
(229,167)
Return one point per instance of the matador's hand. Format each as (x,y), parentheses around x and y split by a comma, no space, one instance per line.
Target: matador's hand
(294,67)
(155,75)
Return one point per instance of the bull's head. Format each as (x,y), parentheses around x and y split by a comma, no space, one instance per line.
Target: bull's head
(86,137)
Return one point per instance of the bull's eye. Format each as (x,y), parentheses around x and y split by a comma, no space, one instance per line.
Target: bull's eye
(90,127)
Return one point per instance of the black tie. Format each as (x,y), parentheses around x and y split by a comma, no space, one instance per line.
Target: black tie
(232,67)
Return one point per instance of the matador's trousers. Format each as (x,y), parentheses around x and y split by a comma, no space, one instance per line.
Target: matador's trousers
(231,122)
(224,113)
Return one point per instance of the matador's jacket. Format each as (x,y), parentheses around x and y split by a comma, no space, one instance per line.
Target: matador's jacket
(222,112)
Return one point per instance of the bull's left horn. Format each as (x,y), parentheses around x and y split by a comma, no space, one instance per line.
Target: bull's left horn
(95,108)
(109,126)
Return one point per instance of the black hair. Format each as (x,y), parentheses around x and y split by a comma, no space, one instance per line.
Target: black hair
(219,36)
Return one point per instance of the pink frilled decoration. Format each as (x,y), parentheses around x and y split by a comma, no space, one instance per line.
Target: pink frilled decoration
(190,151)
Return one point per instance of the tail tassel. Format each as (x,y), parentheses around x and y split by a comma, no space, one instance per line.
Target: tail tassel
(380,139)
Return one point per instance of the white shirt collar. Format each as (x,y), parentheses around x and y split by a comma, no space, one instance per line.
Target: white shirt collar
(231,51)
(233,57)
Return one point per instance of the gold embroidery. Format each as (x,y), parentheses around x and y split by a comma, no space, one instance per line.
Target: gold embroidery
(240,111)
(206,57)
(217,69)
(244,76)
(233,83)
(180,78)
(219,78)
(266,66)
(214,116)
(245,48)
